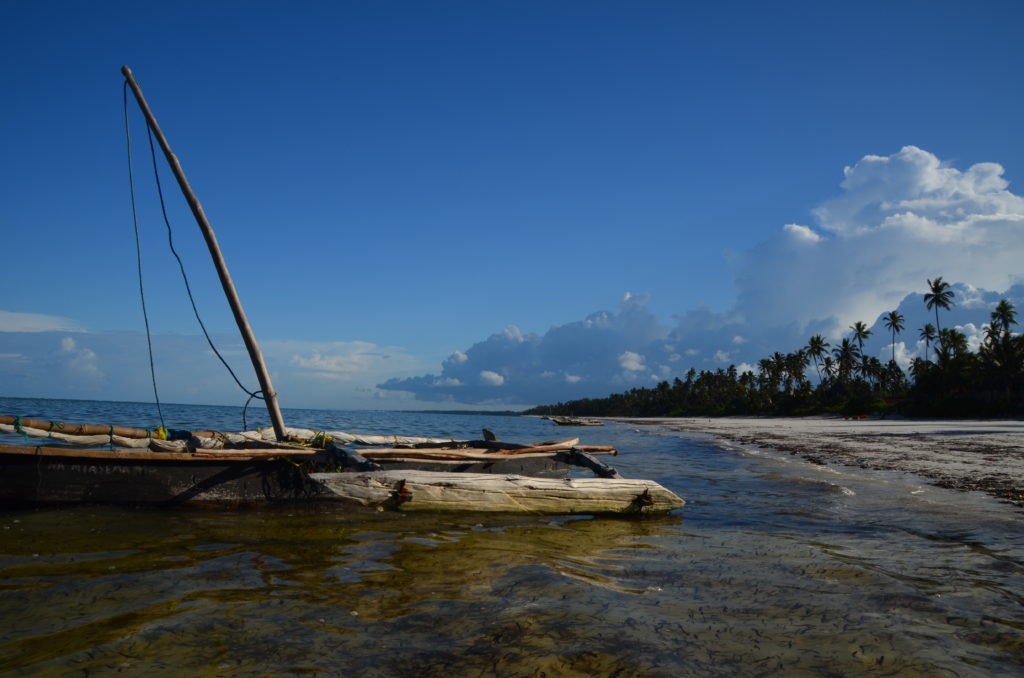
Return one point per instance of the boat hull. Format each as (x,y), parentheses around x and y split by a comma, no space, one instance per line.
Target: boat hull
(60,476)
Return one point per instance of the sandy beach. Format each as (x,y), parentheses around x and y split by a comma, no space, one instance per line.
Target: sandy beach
(969,455)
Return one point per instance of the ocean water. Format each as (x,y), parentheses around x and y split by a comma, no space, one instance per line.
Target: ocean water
(775,567)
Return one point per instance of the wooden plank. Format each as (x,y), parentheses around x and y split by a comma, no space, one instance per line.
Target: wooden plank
(592,449)
(240,455)
(258,453)
(478,452)
(436,491)
(77,429)
(465,454)
(89,429)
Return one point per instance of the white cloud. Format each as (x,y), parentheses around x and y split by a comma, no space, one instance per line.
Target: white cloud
(975,335)
(336,360)
(802,233)
(634,362)
(573,379)
(81,362)
(512,333)
(491,378)
(35,322)
(903,355)
(896,221)
(900,220)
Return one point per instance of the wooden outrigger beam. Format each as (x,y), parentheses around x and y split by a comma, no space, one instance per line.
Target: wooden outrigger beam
(269,396)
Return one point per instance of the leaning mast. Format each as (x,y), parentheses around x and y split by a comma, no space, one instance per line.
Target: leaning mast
(269,395)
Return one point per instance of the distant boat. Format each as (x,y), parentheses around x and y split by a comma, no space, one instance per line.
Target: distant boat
(573,421)
(143,466)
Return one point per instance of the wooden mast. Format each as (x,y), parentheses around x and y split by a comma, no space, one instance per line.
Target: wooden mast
(269,396)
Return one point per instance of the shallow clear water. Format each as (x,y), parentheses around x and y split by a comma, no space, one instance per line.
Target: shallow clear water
(775,567)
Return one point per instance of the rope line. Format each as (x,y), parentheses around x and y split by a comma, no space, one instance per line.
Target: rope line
(258,394)
(181,267)
(138,255)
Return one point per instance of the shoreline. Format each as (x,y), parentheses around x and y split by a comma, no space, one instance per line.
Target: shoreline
(961,454)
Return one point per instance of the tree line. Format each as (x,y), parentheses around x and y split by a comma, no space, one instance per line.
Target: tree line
(949,381)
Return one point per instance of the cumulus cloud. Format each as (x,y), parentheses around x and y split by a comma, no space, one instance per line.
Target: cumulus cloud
(572,359)
(632,362)
(896,221)
(900,220)
(491,378)
(80,362)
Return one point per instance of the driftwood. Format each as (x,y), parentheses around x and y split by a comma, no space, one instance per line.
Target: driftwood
(433,491)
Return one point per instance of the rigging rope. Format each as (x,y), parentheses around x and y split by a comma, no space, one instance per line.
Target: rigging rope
(138,256)
(181,266)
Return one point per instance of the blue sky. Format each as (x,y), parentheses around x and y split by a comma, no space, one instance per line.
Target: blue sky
(496,204)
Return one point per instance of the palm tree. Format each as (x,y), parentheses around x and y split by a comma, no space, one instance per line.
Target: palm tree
(871,368)
(846,357)
(828,365)
(918,367)
(894,322)
(768,376)
(779,368)
(1004,316)
(817,348)
(860,333)
(796,367)
(928,335)
(952,344)
(940,296)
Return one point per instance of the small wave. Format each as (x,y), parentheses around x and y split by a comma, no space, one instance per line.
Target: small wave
(824,486)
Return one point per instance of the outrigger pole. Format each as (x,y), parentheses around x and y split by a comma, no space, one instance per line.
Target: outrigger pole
(269,396)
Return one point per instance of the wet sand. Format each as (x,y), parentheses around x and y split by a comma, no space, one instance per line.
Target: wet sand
(970,455)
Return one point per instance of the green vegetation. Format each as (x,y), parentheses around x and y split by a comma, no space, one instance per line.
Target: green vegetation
(956,383)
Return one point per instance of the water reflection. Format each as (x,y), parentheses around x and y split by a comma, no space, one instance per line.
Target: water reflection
(204,578)
(774,567)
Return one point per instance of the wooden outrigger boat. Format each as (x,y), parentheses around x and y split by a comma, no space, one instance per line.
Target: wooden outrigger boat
(385,472)
(141,466)
(574,421)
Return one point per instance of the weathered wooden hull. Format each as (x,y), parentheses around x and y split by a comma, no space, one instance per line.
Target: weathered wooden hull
(425,491)
(27,480)
(49,475)
(538,467)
